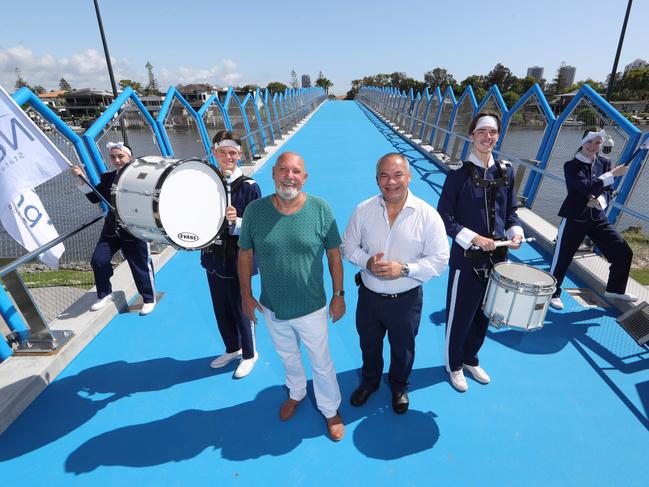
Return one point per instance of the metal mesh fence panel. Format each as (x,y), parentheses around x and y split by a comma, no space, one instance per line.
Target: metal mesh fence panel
(239,127)
(637,201)
(264,111)
(523,138)
(430,120)
(492,106)
(276,113)
(214,120)
(444,119)
(183,132)
(584,115)
(461,122)
(418,114)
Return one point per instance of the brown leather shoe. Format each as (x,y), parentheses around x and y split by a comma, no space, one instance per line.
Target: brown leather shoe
(336,427)
(287,410)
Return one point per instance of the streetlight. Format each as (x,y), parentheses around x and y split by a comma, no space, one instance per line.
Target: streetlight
(611,80)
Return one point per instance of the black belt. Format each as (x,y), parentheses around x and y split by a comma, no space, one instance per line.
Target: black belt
(390,296)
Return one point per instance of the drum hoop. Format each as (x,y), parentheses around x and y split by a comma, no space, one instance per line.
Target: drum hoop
(156,203)
(523,287)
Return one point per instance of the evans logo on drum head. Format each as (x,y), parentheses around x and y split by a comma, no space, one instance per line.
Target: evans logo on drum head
(187,237)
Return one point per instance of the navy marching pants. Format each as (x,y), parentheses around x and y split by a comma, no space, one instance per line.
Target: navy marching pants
(608,240)
(399,317)
(466,324)
(235,327)
(139,260)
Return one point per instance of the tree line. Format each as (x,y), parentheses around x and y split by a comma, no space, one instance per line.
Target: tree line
(633,85)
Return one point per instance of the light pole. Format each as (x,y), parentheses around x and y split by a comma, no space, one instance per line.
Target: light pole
(611,80)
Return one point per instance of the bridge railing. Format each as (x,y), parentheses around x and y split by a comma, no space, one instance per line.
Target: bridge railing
(33,294)
(532,138)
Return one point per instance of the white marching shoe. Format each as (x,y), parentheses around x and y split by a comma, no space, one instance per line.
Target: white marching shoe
(630,298)
(556,303)
(458,381)
(146,308)
(245,366)
(101,303)
(225,359)
(478,373)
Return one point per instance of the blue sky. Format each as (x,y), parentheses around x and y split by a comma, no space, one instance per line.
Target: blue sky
(203,41)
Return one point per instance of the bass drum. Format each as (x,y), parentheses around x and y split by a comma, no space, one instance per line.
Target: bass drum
(176,202)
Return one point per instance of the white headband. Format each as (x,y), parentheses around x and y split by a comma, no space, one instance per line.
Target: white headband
(227,143)
(486,121)
(119,145)
(592,135)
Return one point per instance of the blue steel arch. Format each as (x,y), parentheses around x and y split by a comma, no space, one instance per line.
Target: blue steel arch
(268,119)
(626,187)
(415,108)
(467,97)
(106,117)
(260,143)
(587,92)
(534,91)
(174,94)
(229,97)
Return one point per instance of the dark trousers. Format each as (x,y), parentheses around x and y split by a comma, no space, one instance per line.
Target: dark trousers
(608,241)
(136,253)
(399,317)
(466,324)
(235,327)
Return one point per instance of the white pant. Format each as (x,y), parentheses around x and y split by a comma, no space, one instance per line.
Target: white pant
(312,330)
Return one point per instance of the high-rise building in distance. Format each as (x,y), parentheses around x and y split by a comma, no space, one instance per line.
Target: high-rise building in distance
(535,72)
(306,81)
(566,76)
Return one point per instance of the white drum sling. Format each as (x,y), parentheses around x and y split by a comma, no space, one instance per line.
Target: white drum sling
(518,296)
(176,202)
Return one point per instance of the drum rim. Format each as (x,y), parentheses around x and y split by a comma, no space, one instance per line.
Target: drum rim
(513,284)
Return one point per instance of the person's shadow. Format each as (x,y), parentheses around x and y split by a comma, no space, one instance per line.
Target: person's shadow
(70,402)
(253,429)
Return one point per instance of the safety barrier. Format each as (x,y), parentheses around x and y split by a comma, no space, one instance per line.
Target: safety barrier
(532,138)
(32,295)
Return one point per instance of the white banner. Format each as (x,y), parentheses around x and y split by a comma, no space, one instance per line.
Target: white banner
(26,220)
(27,157)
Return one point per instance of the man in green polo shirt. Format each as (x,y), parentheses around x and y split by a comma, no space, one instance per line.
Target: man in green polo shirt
(289,232)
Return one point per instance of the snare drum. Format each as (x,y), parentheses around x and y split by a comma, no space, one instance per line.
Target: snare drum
(176,202)
(518,296)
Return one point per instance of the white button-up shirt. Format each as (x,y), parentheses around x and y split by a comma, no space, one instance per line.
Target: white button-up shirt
(417,238)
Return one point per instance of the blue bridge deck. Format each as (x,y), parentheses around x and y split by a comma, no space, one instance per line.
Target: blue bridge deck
(568,405)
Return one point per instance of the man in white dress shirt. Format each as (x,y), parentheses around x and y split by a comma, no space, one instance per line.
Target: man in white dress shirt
(399,242)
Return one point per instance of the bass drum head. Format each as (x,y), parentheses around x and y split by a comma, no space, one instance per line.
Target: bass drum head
(192,203)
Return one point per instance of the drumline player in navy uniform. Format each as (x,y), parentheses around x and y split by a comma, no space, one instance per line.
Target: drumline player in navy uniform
(114,237)
(588,179)
(478,206)
(220,260)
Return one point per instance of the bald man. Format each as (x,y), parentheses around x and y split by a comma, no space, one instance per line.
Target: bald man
(289,232)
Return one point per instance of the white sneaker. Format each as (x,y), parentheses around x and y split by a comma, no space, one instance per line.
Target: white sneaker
(478,373)
(101,303)
(556,303)
(458,381)
(631,298)
(146,308)
(245,366)
(224,359)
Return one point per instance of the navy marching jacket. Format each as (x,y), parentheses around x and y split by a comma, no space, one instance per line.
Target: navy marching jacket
(463,204)
(224,261)
(582,181)
(111,228)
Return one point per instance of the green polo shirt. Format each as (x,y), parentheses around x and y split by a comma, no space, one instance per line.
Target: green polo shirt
(289,251)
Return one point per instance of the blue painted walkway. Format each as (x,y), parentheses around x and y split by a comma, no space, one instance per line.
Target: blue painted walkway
(568,405)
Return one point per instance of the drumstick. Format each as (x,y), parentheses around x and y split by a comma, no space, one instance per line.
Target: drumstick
(502,243)
(228,189)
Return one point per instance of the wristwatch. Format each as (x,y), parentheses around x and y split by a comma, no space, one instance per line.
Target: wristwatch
(405,270)
(339,293)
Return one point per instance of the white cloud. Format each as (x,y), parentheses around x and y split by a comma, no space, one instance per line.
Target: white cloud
(87,69)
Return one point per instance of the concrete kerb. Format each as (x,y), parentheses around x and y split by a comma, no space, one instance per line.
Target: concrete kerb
(590,268)
(23,378)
